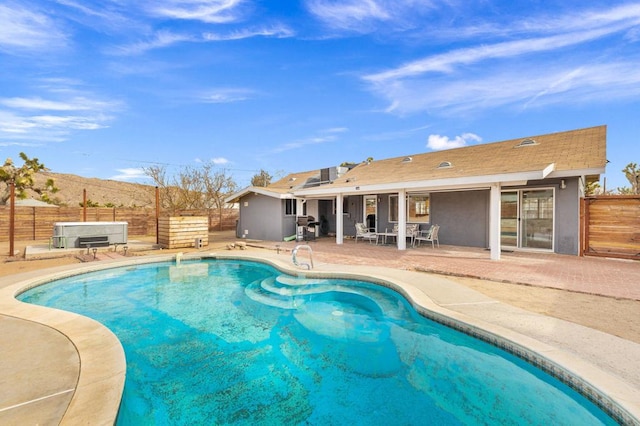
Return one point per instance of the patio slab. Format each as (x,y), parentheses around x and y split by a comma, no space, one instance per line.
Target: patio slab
(608,360)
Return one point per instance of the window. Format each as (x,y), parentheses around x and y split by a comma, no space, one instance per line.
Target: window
(417,208)
(290,207)
(345,206)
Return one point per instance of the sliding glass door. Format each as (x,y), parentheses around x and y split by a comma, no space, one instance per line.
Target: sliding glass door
(370,212)
(509,219)
(527,219)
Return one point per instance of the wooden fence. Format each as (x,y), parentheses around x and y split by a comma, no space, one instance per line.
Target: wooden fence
(36,223)
(610,226)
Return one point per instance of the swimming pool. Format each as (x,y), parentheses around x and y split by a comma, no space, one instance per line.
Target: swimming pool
(219,341)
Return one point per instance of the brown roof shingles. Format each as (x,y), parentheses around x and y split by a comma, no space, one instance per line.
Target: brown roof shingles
(293,181)
(582,149)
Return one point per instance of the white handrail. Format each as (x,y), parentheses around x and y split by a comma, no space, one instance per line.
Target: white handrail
(294,256)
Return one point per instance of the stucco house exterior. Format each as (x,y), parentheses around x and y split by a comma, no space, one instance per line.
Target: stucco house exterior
(520,194)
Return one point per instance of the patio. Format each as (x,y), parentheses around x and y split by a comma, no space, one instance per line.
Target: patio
(613,356)
(600,276)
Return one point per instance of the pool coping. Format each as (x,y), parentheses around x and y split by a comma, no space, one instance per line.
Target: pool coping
(102,365)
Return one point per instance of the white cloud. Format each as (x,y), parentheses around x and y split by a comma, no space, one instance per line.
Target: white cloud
(527,72)
(520,86)
(347,14)
(159,40)
(37,103)
(208,11)
(54,114)
(438,142)
(365,16)
(446,63)
(219,161)
(22,29)
(113,17)
(304,143)
(395,135)
(225,95)
(164,39)
(337,130)
(130,174)
(278,31)
(328,135)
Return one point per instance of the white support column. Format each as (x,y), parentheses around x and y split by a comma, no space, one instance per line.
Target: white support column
(402,220)
(300,206)
(339,220)
(494,222)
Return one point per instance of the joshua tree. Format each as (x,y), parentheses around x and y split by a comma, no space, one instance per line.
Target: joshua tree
(24,179)
(632,172)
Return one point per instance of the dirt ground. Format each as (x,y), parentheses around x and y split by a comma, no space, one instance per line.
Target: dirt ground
(613,316)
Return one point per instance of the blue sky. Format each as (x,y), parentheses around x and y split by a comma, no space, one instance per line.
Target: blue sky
(102,89)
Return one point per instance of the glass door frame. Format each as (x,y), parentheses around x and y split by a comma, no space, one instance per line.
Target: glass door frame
(521,221)
(365,204)
(512,222)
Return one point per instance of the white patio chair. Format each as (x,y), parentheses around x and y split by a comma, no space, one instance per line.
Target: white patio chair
(412,232)
(429,235)
(363,233)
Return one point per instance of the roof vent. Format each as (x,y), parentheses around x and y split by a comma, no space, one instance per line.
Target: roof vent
(527,142)
(445,165)
(407,159)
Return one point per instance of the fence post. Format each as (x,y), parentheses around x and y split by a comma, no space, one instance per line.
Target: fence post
(582,229)
(33,227)
(157,215)
(12,217)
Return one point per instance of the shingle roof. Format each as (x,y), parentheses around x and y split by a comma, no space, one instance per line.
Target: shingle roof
(295,181)
(280,188)
(577,150)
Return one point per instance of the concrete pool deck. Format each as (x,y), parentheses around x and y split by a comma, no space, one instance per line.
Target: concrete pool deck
(56,366)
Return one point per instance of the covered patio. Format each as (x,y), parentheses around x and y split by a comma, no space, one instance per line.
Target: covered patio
(518,194)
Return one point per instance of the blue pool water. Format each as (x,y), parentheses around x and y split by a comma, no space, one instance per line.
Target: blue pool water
(236,342)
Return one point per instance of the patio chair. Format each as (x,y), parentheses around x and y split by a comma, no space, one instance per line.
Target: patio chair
(363,233)
(429,235)
(412,231)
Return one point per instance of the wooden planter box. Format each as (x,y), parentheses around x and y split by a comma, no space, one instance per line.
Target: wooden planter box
(183,232)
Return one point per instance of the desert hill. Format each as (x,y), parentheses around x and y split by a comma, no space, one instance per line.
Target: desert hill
(111,193)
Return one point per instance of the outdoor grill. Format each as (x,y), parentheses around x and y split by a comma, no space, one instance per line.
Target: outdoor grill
(306,228)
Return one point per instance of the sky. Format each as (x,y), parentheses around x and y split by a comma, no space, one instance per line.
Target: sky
(105,89)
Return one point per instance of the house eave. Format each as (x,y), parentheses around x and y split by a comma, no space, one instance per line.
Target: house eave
(235,198)
(460,183)
(596,171)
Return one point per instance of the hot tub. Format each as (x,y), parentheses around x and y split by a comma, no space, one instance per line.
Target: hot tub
(67,234)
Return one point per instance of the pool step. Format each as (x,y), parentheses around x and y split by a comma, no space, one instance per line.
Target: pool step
(287,292)
(255,291)
(286,286)
(281,291)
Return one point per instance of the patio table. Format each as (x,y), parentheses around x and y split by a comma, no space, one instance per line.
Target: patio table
(385,235)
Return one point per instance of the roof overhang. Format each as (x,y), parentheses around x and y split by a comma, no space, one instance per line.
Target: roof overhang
(235,198)
(582,172)
(458,183)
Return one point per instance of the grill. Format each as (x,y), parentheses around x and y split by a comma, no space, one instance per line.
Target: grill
(306,228)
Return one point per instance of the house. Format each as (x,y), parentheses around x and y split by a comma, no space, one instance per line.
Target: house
(271,213)
(520,194)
